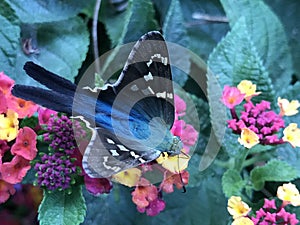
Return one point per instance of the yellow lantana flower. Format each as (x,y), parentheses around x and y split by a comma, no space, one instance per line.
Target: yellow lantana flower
(288,108)
(248,138)
(289,193)
(292,135)
(248,88)
(174,164)
(9,125)
(237,208)
(129,177)
(242,221)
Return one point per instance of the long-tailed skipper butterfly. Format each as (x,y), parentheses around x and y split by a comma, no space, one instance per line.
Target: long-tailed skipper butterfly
(132,118)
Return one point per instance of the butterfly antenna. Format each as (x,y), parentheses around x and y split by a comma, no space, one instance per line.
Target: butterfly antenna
(180,175)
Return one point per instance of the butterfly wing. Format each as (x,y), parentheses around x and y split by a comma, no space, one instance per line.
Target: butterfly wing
(106,155)
(142,111)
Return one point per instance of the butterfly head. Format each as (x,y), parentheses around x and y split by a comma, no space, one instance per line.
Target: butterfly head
(176,146)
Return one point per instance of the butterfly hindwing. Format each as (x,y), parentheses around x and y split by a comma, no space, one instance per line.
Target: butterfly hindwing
(106,155)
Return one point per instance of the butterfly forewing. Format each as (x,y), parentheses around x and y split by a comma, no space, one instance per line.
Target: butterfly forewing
(146,81)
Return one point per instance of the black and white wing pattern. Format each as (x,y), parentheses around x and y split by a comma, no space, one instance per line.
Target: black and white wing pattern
(141,113)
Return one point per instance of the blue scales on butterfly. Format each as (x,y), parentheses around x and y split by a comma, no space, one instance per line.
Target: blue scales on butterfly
(130,119)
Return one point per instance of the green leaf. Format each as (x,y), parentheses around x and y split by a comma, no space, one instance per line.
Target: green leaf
(203,34)
(232,183)
(61,208)
(218,115)
(9,38)
(30,177)
(130,25)
(235,59)
(31,122)
(175,32)
(35,11)
(122,28)
(290,155)
(292,92)
(62,49)
(268,36)
(274,170)
(231,144)
(288,12)
(197,177)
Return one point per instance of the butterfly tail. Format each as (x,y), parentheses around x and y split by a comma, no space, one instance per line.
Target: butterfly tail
(49,79)
(61,91)
(47,98)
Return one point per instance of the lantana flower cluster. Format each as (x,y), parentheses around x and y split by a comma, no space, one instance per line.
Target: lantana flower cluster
(62,164)
(270,213)
(148,197)
(258,123)
(17,145)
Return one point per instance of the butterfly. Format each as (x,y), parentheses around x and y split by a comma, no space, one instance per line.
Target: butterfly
(130,119)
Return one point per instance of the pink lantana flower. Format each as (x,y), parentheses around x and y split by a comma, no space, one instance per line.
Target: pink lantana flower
(180,106)
(13,172)
(45,114)
(6,83)
(187,133)
(146,197)
(25,144)
(154,207)
(22,107)
(232,96)
(172,180)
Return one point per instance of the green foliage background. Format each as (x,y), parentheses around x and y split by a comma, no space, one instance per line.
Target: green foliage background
(260,42)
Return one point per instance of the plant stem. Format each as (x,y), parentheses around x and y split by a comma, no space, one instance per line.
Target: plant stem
(239,161)
(225,164)
(255,159)
(233,114)
(95,35)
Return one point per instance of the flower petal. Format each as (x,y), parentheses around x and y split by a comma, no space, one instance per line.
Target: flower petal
(13,172)
(25,144)
(248,138)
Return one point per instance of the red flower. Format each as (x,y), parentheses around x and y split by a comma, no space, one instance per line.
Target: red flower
(6,190)
(22,107)
(144,193)
(25,144)
(170,180)
(14,171)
